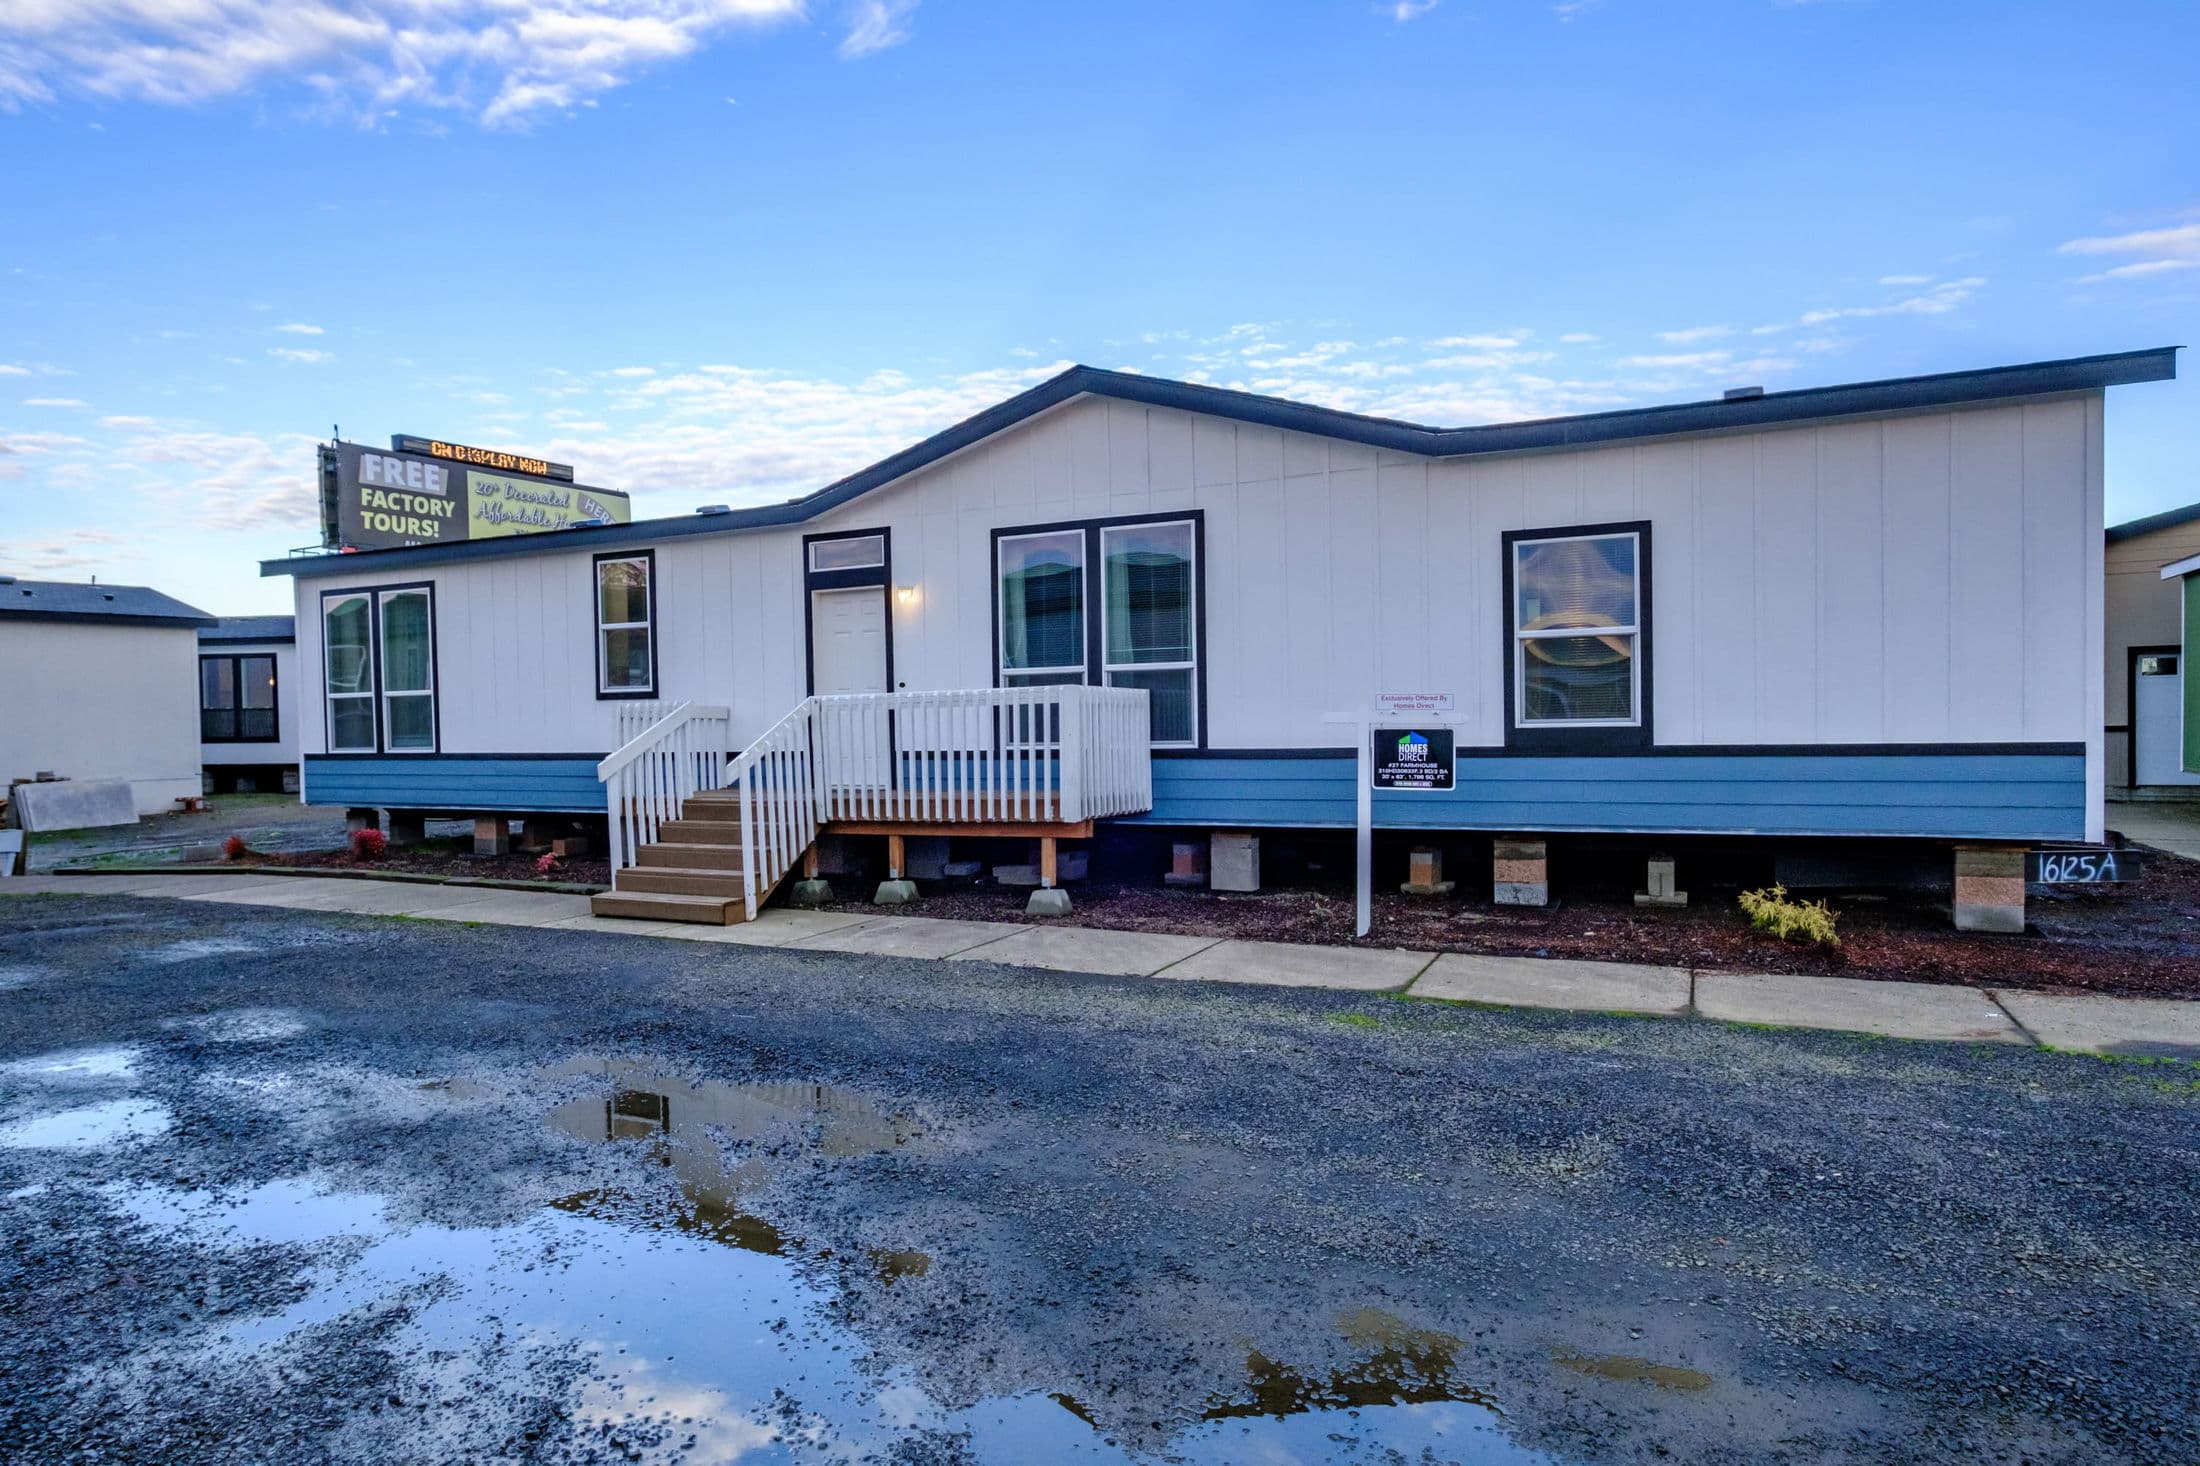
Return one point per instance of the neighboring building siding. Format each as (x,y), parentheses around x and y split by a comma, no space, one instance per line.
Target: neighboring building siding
(288,701)
(456,784)
(2142,610)
(91,701)
(1978,795)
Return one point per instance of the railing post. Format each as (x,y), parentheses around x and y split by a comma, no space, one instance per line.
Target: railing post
(1076,703)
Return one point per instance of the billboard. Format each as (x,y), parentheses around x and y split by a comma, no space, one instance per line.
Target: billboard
(386,498)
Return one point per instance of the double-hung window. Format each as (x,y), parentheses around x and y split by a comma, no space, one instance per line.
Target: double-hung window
(626,634)
(237,699)
(378,656)
(1143,632)
(1578,628)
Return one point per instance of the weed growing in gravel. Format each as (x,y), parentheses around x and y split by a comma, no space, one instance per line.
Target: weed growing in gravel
(1356,1020)
(1807,922)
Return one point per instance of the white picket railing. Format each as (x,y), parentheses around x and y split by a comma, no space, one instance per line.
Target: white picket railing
(673,756)
(992,755)
(636,718)
(1014,755)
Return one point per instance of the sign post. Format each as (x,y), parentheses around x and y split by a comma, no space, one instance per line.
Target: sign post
(1422,757)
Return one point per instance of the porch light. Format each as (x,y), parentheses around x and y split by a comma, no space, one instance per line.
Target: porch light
(907,596)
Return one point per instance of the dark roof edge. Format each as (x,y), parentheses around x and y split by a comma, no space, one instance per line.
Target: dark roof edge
(289,639)
(105,618)
(2167,519)
(1808,404)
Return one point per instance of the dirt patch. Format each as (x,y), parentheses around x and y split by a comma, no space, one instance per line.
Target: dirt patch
(2137,939)
(443,858)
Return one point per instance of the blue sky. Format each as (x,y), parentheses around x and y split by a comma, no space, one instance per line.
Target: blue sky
(726,250)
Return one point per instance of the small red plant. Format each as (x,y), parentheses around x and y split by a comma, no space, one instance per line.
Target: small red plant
(369,845)
(234,848)
(546,863)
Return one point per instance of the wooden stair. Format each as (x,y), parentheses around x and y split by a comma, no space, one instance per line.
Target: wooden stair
(691,872)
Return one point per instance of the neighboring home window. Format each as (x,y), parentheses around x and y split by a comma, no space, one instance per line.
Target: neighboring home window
(237,700)
(378,648)
(1042,608)
(1149,612)
(1578,630)
(1144,632)
(626,641)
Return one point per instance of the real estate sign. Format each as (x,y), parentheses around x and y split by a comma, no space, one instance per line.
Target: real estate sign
(1414,758)
(386,498)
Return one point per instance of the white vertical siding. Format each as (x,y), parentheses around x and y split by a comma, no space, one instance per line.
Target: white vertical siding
(89,700)
(1928,578)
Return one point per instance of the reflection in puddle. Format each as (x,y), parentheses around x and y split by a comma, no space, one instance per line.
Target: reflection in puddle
(12,978)
(192,948)
(1403,1366)
(1628,1368)
(247,1025)
(115,1061)
(111,1123)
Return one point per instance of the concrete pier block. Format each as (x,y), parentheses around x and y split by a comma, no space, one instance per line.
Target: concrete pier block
(895,893)
(1661,890)
(492,835)
(1520,871)
(812,893)
(1048,901)
(1989,894)
(362,819)
(1425,873)
(1233,861)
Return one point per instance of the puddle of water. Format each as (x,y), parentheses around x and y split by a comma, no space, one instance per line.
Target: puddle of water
(12,978)
(695,1351)
(111,1061)
(192,948)
(1628,1368)
(113,1123)
(246,1025)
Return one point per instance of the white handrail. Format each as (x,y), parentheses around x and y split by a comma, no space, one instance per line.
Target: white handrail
(648,779)
(777,780)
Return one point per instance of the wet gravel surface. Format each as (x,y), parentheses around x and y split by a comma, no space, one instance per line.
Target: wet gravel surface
(282,1186)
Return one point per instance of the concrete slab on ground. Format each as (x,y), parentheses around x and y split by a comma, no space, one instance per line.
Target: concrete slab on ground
(2165,824)
(1089,949)
(1296,965)
(406,898)
(908,936)
(293,893)
(1547,982)
(2137,1028)
(1856,1005)
(191,888)
(514,908)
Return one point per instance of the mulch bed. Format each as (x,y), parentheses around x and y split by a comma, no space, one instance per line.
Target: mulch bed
(2141,939)
(442,858)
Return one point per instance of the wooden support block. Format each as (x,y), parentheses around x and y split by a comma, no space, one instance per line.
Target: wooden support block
(893,857)
(1046,862)
(810,862)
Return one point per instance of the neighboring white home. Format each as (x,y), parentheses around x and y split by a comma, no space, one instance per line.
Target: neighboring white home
(248,704)
(1857,612)
(2145,661)
(100,682)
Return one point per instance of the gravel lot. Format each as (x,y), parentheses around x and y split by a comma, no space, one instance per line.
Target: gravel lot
(294,1187)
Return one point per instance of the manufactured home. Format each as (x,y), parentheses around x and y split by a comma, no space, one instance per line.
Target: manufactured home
(1864,612)
(96,685)
(248,695)
(2144,664)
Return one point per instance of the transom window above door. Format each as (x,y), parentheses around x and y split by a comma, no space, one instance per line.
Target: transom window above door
(1139,627)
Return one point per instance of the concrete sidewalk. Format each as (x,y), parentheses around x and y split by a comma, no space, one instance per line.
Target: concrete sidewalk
(2126,1027)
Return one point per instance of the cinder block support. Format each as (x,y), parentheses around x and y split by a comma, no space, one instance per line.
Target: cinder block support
(1425,873)
(1233,861)
(1520,871)
(1187,864)
(362,819)
(407,827)
(1990,888)
(492,835)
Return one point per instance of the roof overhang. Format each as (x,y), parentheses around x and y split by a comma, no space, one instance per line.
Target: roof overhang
(1772,409)
(2179,569)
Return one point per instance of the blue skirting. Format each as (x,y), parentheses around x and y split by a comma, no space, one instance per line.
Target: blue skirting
(1957,794)
(492,783)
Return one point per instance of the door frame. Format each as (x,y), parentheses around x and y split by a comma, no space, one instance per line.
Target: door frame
(2131,709)
(881,575)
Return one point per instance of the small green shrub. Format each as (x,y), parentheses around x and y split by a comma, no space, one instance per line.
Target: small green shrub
(1807,922)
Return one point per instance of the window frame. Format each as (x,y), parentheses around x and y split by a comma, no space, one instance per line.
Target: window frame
(1109,667)
(648,557)
(237,707)
(378,691)
(1601,735)
(858,577)
(1095,669)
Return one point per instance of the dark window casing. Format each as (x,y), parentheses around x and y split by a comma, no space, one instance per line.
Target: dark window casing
(1581,738)
(229,711)
(378,683)
(604,692)
(851,578)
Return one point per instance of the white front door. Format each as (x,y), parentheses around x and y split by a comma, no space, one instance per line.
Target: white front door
(848,654)
(2158,721)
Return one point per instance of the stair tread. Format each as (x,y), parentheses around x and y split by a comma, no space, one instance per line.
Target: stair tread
(670,898)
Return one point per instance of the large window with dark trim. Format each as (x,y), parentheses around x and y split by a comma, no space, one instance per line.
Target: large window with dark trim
(237,699)
(379,669)
(1112,603)
(626,631)
(1578,628)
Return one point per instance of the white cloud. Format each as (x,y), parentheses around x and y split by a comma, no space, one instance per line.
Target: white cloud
(1402,11)
(1905,279)
(10,369)
(875,25)
(75,553)
(1938,300)
(503,60)
(53,402)
(1693,334)
(122,420)
(633,371)
(305,355)
(1580,338)
(2163,251)
(300,328)
(1697,359)
(1478,343)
